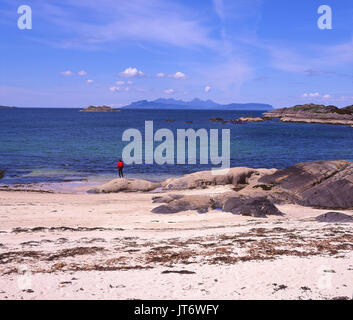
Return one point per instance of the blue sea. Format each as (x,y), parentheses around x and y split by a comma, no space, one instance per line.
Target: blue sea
(57,145)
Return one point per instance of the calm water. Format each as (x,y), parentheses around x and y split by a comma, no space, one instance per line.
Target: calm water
(48,145)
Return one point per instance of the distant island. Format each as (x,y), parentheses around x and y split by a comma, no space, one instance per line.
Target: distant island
(99,109)
(313,113)
(195,104)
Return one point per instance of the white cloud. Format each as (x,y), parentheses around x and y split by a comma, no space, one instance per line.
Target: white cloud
(115,89)
(89,81)
(178,75)
(82,73)
(207,89)
(131,73)
(316,95)
(130,83)
(120,83)
(169,91)
(67,73)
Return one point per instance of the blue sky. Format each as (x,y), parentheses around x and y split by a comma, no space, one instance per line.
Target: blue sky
(114,52)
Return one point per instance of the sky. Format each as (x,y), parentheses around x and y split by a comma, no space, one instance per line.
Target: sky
(114,52)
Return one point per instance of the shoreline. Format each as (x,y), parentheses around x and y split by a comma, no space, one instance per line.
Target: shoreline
(113,246)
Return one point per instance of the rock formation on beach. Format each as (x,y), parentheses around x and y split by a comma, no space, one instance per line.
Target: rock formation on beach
(321,184)
(258,207)
(234,176)
(99,109)
(334,217)
(126,185)
(313,113)
(324,184)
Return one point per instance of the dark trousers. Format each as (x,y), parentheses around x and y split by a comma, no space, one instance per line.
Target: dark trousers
(121,174)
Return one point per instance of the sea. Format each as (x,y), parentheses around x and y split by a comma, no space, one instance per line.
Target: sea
(45,145)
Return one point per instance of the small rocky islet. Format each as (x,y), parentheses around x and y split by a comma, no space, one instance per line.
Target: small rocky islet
(313,113)
(99,109)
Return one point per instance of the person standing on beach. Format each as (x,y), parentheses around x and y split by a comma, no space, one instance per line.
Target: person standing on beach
(120,166)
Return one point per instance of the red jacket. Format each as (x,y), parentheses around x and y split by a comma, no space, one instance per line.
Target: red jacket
(120,165)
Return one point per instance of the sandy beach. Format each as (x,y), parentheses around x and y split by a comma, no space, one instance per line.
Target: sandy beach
(110,246)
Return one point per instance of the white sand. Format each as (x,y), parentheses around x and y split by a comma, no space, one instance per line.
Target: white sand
(233,257)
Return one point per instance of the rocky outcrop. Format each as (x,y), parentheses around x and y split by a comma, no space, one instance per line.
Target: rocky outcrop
(99,109)
(246,120)
(2,173)
(312,113)
(238,177)
(126,185)
(259,207)
(235,176)
(228,202)
(166,198)
(201,203)
(324,184)
(334,217)
(240,120)
(217,119)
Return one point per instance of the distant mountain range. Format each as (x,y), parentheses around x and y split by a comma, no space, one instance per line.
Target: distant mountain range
(195,104)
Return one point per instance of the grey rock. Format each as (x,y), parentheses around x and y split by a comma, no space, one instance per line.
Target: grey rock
(256,207)
(231,203)
(259,207)
(167,198)
(334,217)
(200,203)
(323,184)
